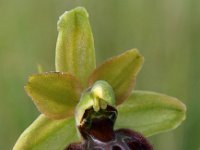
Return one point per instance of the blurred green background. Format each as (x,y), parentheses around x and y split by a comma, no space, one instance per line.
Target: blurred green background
(167,32)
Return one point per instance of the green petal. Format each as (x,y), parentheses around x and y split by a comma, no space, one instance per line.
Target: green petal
(120,72)
(55,94)
(150,113)
(46,134)
(75,44)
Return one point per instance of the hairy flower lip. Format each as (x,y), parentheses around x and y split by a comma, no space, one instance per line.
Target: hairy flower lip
(127,140)
(98,132)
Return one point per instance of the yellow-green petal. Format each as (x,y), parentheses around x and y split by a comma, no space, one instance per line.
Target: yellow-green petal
(120,72)
(150,113)
(47,134)
(55,94)
(75,45)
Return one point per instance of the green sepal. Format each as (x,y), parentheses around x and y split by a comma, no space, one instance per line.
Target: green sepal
(150,113)
(75,45)
(54,93)
(120,72)
(47,134)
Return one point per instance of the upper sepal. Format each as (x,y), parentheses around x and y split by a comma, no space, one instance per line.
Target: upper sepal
(75,45)
(54,93)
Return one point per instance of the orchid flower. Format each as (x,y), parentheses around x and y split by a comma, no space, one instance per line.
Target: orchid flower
(63,96)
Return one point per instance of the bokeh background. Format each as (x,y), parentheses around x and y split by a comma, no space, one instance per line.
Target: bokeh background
(167,33)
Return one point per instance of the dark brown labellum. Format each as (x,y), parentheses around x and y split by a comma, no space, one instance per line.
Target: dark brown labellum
(97,131)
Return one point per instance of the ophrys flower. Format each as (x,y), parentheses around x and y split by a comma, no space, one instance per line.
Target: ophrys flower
(57,94)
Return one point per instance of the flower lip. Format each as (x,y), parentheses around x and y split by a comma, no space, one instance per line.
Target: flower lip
(97,131)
